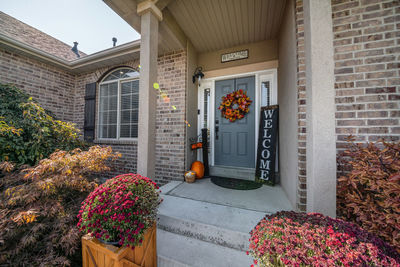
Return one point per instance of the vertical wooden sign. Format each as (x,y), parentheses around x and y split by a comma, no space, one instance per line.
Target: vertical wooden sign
(266,149)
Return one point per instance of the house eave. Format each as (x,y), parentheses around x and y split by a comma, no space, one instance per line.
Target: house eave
(114,55)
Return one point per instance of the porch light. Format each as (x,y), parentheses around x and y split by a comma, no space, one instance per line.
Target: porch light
(198,74)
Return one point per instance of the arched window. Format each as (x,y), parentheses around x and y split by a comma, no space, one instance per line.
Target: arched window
(118,105)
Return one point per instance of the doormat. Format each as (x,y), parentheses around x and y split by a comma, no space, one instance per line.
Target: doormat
(236,184)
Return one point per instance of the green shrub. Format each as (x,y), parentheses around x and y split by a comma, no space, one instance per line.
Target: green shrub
(369,194)
(28,133)
(39,207)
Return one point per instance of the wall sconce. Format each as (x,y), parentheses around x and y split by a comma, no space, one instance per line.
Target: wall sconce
(198,74)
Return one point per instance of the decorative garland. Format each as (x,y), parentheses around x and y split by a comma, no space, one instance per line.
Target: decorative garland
(235,105)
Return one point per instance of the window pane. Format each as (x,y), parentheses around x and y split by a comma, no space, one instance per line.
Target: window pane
(125,131)
(265,94)
(103,103)
(112,117)
(112,131)
(134,116)
(129,109)
(125,102)
(108,105)
(113,89)
(103,132)
(206,107)
(126,116)
(135,101)
(103,118)
(121,73)
(134,130)
(135,86)
(126,88)
(113,103)
(103,90)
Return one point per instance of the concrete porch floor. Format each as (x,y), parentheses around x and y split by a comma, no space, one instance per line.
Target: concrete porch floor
(268,199)
(202,224)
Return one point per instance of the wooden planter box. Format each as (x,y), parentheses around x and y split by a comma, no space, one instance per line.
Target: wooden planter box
(98,254)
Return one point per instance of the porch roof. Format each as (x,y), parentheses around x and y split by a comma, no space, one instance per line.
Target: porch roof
(209,24)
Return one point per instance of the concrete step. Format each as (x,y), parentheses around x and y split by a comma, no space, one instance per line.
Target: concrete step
(218,224)
(181,251)
(202,224)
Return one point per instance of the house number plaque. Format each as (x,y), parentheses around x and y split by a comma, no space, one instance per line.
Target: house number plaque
(266,151)
(235,56)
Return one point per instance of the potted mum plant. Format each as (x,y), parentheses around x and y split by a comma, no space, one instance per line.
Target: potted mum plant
(301,239)
(119,219)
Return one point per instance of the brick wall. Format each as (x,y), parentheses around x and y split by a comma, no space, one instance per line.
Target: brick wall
(170,123)
(63,94)
(301,103)
(367,56)
(367,84)
(128,149)
(51,87)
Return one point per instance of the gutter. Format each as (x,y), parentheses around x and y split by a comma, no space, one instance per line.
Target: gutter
(74,65)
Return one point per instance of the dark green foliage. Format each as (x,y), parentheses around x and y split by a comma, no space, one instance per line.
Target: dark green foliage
(28,133)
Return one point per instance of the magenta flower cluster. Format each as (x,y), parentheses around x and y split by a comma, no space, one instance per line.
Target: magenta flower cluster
(301,239)
(121,209)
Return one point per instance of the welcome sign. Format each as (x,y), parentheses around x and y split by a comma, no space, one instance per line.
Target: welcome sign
(266,152)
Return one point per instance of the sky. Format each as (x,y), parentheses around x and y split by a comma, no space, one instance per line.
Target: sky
(89,22)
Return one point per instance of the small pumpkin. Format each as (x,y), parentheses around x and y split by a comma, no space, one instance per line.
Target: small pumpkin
(198,168)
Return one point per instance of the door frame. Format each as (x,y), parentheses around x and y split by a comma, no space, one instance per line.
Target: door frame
(270,75)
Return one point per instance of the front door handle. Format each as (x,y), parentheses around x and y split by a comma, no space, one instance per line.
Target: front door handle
(216,132)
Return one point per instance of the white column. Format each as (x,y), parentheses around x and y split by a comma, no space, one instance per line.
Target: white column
(321,141)
(150,17)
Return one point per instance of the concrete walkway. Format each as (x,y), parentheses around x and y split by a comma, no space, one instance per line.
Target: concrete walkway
(202,224)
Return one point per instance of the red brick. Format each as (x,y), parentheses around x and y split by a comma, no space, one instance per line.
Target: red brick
(372,114)
(373,130)
(380,90)
(350,122)
(371,98)
(383,122)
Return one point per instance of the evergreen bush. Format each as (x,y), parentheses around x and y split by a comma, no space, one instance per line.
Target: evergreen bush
(28,133)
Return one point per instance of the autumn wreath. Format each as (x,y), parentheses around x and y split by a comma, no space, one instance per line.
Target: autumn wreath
(235,105)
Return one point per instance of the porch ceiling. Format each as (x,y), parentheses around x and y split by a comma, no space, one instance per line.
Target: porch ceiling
(217,24)
(209,24)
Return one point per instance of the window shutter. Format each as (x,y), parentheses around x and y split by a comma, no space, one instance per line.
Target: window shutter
(90,112)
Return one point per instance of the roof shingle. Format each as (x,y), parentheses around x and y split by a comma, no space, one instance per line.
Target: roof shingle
(22,32)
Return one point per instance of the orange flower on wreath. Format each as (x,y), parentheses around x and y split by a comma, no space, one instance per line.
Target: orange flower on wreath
(235,105)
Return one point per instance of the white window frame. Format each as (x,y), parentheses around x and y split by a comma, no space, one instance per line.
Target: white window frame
(118,81)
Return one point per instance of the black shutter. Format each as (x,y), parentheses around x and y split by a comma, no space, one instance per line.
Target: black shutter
(90,112)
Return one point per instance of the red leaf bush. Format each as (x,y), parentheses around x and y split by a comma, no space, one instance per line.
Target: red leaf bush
(300,239)
(121,209)
(369,194)
(39,205)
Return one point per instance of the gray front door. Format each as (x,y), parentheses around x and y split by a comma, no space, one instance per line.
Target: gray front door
(235,141)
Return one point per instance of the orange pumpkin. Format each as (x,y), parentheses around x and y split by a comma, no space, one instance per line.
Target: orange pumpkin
(198,168)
